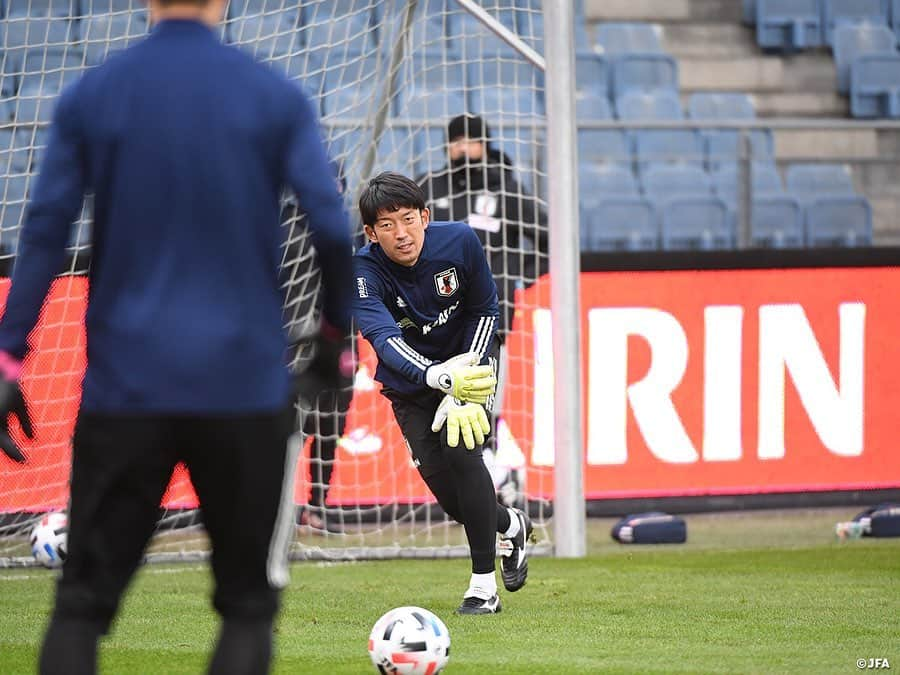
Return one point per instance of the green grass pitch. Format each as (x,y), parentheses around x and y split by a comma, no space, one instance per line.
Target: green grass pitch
(761,592)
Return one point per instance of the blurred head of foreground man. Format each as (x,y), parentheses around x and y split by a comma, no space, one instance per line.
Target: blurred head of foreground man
(186,145)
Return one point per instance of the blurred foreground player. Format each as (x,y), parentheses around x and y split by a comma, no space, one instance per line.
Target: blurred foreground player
(186,145)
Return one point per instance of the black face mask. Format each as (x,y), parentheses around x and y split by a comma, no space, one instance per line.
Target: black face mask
(469,172)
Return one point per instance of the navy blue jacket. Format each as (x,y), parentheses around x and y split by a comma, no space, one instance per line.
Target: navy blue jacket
(186,144)
(444,305)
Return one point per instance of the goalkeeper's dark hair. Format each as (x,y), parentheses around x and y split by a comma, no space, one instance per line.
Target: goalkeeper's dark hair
(389,191)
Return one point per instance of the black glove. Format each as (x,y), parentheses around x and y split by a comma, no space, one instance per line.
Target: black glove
(331,367)
(11,401)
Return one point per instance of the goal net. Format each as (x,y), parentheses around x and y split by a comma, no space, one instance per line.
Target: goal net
(387,76)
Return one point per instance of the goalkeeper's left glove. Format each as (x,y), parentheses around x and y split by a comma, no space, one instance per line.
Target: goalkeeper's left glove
(462,378)
(470,419)
(12,402)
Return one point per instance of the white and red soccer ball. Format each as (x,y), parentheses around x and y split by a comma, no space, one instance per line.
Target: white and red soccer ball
(48,539)
(409,641)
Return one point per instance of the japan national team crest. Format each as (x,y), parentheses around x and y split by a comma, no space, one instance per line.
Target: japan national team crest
(446,282)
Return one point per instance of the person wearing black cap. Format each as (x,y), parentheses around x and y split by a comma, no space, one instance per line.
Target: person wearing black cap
(479,186)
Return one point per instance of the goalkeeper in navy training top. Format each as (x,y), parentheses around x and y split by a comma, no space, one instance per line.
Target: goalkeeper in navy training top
(186,145)
(427,303)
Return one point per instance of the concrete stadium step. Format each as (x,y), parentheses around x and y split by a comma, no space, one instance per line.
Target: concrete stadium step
(663,10)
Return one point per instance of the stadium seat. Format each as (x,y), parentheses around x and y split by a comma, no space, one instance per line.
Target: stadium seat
(13,193)
(835,12)
(430,104)
(723,146)
(839,221)
(720,105)
(521,144)
(105,33)
(789,25)
(267,36)
(875,86)
(32,32)
(591,76)
(44,76)
(643,71)
(335,25)
(603,145)
(351,89)
(15,154)
(809,180)
(696,223)
(649,105)
(776,221)
(606,179)
(431,148)
(748,15)
(854,40)
(504,88)
(619,224)
(764,181)
(669,180)
(475,41)
(624,38)
(653,146)
(895,17)
(589,105)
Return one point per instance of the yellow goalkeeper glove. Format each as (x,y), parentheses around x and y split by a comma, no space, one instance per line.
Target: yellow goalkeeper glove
(461,377)
(468,419)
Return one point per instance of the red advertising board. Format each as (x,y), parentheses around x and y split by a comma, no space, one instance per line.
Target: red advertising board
(695,383)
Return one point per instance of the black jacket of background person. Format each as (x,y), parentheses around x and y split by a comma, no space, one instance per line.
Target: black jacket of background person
(508,221)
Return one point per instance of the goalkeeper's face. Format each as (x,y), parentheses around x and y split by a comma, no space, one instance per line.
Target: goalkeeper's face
(400,233)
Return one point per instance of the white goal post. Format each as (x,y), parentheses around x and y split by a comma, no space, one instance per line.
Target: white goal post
(386,76)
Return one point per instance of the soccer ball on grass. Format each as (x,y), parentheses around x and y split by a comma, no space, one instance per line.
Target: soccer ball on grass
(409,641)
(48,539)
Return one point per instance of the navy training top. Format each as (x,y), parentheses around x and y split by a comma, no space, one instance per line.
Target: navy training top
(444,305)
(186,144)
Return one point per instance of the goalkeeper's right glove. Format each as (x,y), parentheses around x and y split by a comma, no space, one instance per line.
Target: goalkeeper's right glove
(462,378)
(12,402)
(470,419)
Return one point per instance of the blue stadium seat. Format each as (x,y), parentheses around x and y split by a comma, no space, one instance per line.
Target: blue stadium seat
(776,222)
(853,40)
(13,191)
(835,12)
(589,105)
(89,7)
(748,15)
(529,24)
(895,17)
(839,221)
(789,25)
(603,145)
(649,105)
(606,179)
(504,87)
(336,25)
(643,71)
(670,180)
(476,42)
(720,105)
(105,33)
(15,155)
(623,38)
(267,36)
(875,86)
(764,181)
(723,146)
(430,104)
(521,144)
(654,146)
(31,32)
(619,223)
(44,76)
(591,75)
(696,223)
(431,148)
(810,180)
(351,88)
(397,152)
